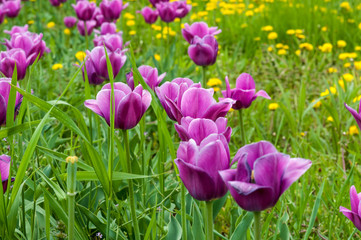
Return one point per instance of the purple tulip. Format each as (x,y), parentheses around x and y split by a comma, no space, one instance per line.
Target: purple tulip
(70,21)
(12,8)
(355,213)
(17,29)
(199,103)
(150,76)
(199,29)
(174,91)
(108,28)
(200,128)
(182,8)
(150,16)
(262,175)
(154,2)
(84,10)
(4,97)
(31,43)
(244,93)
(355,114)
(129,106)
(199,165)
(167,11)
(111,10)
(56,3)
(8,60)
(98,17)
(96,64)
(111,41)
(203,51)
(5,170)
(89,27)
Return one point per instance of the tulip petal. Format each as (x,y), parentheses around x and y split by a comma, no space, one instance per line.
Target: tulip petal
(250,196)
(4,167)
(254,151)
(188,151)
(195,102)
(2,111)
(356,115)
(355,219)
(129,111)
(245,82)
(355,201)
(262,93)
(199,184)
(201,128)
(93,105)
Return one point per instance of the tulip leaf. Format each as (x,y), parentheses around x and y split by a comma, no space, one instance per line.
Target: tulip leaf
(197,227)
(9,131)
(174,229)
(314,212)
(60,194)
(241,230)
(117,176)
(283,228)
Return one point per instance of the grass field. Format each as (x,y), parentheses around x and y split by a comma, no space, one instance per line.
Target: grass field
(304,53)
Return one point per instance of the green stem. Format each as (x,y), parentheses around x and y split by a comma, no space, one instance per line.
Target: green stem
(257,225)
(131,190)
(244,142)
(209,220)
(183,211)
(204,80)
(71,183)
(86,35)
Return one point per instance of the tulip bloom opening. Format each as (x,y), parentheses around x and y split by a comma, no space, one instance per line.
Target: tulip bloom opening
(354,214)
(4,170)
(4,97)
(129,106)
(262,175)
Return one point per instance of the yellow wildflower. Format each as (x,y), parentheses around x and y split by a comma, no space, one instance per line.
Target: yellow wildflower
(67,31)
(341,43)
(270,49)
(30,22)
(329,119)
(357,99)
(57,66)
(317,104)
(353,130)
(324,29)
(347,65)
(279,45)
(80,56)
(290,32)
(348,77)
(332,70)
(327,92)
(357,65)
(306,46)
(249,13)
(298,52)
(272,35)
(133,32)
(281,52)
(157,57)
(214,82)
(267,28)
(346,6)
(326,48)
(130,23)
(273,106)
(50,25)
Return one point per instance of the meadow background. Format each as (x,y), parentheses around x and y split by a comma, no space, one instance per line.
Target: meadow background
(304,54)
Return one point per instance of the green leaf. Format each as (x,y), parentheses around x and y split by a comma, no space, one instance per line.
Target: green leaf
(197,227)
(174,229)
(9,131)
(117,176)
(241,229)
(60,194)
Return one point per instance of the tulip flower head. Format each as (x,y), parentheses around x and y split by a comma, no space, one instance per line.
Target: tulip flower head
(203,51)
(4,170)
(84,10)
(200,128)
(353,214)
(244,93)
(57,3)
(90,25)
(150,76)
(167,11)
(199,165)
(98,17)
(262,175)
(70,21)
(112,42)
(9,58)
(4,97)
(355,114)
(199,103)
(17,29)
(111,10)
(182,8)
(199,29)
(31,43)
(154,2)
(174,91)
(150,16)
(12,8)
(96,64)
(108,28)
(129,106)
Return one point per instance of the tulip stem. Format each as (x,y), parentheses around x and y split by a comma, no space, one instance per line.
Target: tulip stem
(131,190)
(209,220)
(86,35)
(204,82)
(244,142)
(71,184)
(183,212)
(257,225)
